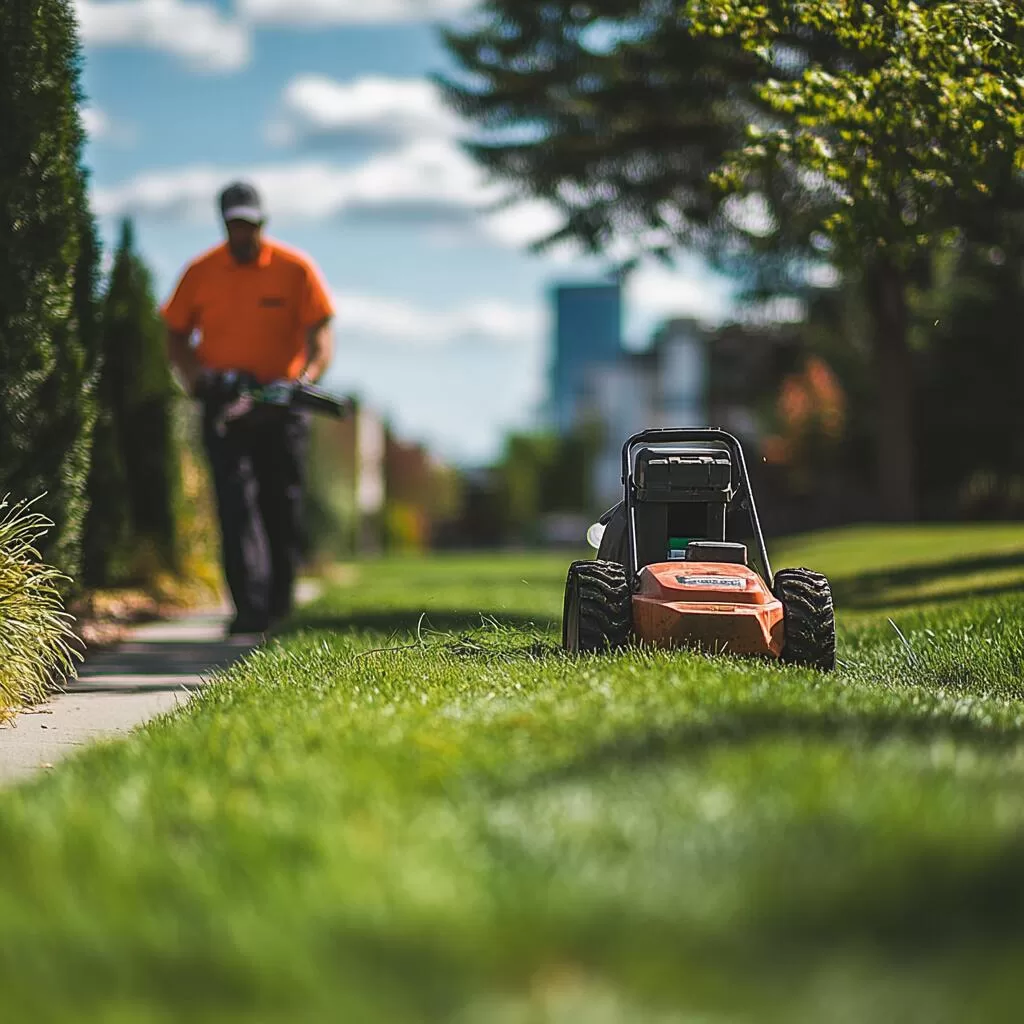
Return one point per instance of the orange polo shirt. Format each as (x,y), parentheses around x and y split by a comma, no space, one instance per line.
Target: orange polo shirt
(253,317)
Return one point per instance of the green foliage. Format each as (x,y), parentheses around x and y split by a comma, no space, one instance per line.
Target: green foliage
(135,485)
(144,392)
(925,116)
(48,258)
(380,818)
(35,633)
(196,525)
(108,534)
(614,112)
(618,113)
(544,473)
(970,359)
(769,134)
(332,516)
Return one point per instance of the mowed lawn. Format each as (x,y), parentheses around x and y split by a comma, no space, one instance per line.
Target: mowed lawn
(414,808)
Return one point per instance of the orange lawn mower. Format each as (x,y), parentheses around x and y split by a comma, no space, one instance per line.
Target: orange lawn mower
(666,574)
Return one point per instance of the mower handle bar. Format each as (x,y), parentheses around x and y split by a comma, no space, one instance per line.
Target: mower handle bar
(685,435)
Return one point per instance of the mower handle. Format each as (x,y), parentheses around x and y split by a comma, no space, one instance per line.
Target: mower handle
(684,435)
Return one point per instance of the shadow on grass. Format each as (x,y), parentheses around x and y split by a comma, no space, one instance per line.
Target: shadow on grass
(867,592)
(745,728)
(923,893)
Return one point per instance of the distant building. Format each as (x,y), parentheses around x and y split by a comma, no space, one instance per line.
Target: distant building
(682,374)
(587,331)
(620,400)
(665,386)
(689,376)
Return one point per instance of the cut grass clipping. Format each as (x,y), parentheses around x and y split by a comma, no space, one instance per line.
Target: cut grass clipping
(35,631)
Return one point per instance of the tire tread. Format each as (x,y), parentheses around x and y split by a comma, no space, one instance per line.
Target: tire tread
(604,606)
(810,624)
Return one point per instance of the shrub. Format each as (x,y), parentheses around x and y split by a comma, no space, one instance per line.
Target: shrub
(36,637)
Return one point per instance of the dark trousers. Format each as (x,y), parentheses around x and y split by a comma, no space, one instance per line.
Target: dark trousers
(258,468)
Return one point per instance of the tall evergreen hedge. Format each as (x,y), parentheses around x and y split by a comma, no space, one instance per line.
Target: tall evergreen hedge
(48,271)
(135,483)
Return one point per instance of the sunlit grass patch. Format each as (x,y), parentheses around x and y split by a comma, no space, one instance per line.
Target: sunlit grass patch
(414,807)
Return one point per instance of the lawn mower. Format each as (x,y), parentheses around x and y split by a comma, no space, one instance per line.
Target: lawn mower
(666,573)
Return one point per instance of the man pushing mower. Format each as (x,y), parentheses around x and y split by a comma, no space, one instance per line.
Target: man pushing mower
(263,319)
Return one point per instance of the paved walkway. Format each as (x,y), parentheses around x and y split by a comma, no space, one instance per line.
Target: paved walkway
(154,670)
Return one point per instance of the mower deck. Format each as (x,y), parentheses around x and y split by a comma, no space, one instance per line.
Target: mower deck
(720,607)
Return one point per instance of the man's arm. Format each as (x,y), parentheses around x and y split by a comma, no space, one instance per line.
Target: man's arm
(183,359)
(180,318)
(319,350)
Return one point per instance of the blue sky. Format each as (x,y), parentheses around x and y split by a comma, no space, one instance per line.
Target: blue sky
(442,314)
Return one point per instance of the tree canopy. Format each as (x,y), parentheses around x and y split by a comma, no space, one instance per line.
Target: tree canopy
(614,112)
(764,133)
(923,117)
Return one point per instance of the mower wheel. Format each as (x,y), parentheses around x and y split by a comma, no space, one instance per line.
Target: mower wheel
(598,612)
(810,621)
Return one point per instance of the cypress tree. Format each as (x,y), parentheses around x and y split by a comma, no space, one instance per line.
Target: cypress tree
(48,260)
(142,395)
(107,541)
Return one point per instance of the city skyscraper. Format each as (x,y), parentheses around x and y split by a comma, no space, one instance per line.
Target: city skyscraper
(587,331)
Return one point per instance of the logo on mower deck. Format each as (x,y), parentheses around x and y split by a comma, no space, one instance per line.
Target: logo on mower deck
(712,581)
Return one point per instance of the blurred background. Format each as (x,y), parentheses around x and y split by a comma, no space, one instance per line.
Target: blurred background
(509,310)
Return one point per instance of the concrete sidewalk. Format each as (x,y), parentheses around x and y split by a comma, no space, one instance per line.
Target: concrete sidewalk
(117,690)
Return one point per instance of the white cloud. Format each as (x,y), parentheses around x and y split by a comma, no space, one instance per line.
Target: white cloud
(96,123)
(315,108)
(397,322)
(657,293)
(422,175)
(523,223)
(196,32)
(101,127)
(430,183)
(457,377)
(347,12)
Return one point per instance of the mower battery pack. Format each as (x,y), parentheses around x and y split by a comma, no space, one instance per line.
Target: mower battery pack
(686,476)
(716,551)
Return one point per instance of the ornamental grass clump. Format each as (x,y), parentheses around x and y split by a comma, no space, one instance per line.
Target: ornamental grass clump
(35,631)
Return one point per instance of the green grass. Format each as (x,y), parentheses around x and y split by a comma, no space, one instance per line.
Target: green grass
(36,637)
(898,567)
(405,811)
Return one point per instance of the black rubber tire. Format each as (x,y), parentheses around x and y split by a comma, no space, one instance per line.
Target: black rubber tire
(597,615)
(810,620)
